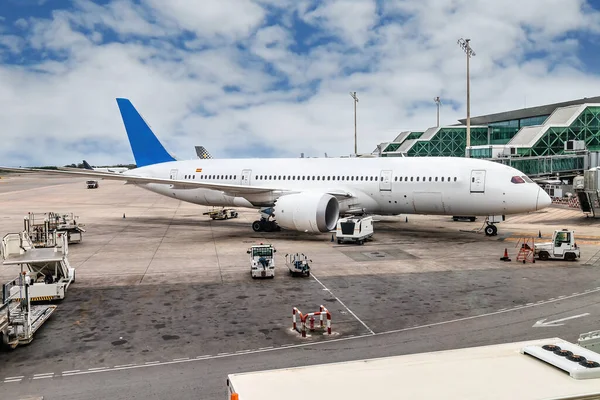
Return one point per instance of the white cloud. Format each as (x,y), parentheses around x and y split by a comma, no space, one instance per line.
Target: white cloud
(243,78)
(350,20)
(228,19)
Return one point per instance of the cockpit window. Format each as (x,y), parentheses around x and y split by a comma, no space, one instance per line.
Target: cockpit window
(527,179)
(517,179)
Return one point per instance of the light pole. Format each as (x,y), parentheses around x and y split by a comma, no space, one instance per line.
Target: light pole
(466,46)
(438,102)
(353,94)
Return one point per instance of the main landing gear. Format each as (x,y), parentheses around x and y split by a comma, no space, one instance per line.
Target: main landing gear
(265,225)
(490,230)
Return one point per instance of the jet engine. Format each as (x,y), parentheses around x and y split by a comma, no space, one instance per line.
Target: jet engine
(307,212)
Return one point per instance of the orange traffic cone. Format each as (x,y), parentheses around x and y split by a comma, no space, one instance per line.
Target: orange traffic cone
(505,257)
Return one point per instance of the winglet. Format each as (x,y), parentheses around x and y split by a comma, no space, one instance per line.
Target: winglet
(146,148)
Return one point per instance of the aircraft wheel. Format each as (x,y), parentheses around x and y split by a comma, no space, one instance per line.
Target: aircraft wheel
(257,226)
(268,226)
(491,230)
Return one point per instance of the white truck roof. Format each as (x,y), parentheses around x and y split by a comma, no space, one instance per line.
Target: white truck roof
(489,372)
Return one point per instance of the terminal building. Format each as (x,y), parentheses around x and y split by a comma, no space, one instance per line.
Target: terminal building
(556,140)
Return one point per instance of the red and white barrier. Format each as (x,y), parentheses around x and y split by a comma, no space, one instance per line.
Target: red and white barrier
(311,320)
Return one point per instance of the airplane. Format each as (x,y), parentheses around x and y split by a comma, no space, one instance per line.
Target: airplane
(310,194)
(116,170)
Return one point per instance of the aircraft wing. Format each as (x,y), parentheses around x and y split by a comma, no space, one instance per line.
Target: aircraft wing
(229,189)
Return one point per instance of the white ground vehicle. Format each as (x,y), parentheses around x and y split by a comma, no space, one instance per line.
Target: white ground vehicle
(223,213)
(297,263)
(262,261)
(92,184)
(562,247)
(19,319)
(44,229)
(46,271)
(354,229)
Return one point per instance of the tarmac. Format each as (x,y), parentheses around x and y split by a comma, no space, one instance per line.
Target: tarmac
(164,305)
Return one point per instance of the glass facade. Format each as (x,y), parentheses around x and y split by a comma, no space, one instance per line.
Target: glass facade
(448,142)
(546,156)
(586,127)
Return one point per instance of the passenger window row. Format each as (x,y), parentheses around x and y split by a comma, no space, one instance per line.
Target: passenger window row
(328,178)
(315,177)
(223,177)
(425,179)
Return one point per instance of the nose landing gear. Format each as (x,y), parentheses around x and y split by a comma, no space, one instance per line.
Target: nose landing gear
(490,230)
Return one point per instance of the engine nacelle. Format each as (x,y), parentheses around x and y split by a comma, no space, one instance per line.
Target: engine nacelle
(307,212)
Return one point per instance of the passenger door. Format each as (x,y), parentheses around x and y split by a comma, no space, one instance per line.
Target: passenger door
(385,181)
(246,173)
(478,181)
(173,174)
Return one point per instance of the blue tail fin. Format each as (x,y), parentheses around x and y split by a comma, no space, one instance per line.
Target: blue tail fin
(86,165)
(147,150)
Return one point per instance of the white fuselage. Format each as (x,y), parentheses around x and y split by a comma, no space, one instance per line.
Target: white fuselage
(407,185)
(114,170)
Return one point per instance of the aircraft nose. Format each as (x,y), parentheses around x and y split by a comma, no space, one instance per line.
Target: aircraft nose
(543,199)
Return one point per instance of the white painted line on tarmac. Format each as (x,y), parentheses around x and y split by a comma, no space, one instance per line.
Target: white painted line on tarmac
(121,366)
(485,315)
(70,372)
(14,377)
(47,373)
(222,354)
(343,305)
(265,348)
(502,309)
(43,377)
(181,359)
(12,381)
(152,362)
(292,346)
(96,369)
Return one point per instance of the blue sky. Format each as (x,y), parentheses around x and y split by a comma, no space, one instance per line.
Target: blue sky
(271,78)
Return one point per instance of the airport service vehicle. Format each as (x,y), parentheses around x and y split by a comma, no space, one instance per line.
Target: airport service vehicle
(45,228)
(92,184)
(310,194)
(298,264)
(463,217)
(536,369)
(354,229)
(224,213)
(562,247)
(262,261)
(46,270)
(19,319)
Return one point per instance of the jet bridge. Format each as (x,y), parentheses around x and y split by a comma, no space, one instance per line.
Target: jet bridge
(587,189)
(46,270)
